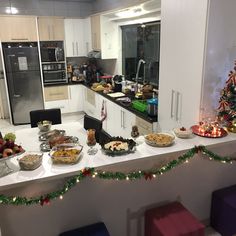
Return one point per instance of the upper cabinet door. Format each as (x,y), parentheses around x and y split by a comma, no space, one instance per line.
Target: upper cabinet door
(51,28)
(69,38)
(18,29)
(105,36)
(77,37)
(95,32)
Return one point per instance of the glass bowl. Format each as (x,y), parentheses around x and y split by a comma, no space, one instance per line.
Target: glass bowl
(44,125)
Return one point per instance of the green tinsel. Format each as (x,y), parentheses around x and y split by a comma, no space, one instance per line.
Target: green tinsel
(108,175)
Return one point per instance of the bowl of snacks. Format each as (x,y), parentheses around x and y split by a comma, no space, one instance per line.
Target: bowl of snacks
(183,132)
(67,153)
(44,125)
(30,160)
(159,139)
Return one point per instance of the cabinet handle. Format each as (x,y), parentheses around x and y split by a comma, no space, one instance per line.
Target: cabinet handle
(177,116)
(55,94)
(172,103)
(73,48)
(49,33)
(70,93)
(121,116)
(77,49)
(87,47)
(19,39)
(53,32)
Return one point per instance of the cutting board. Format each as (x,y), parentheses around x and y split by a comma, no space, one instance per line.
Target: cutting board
(116,95)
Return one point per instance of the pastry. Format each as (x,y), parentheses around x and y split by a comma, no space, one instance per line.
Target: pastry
(182,132)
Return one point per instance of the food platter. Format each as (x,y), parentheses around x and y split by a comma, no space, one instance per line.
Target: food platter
(11,156)
(117,146)
(46,147)
(159,139)
(49,134)
(218,134)
(68,153)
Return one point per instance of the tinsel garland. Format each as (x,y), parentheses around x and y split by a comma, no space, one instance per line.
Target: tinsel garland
(108,175)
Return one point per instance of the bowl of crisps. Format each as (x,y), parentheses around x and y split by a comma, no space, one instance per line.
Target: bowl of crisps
(159,139)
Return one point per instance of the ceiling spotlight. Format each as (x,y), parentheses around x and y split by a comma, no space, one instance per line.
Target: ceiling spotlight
(11,10)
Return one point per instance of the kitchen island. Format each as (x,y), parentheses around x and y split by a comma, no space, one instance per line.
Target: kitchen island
(120,204)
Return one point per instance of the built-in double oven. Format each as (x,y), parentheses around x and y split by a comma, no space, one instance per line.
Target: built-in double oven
(53,62)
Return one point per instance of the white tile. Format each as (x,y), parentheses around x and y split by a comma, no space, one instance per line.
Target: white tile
(6,127)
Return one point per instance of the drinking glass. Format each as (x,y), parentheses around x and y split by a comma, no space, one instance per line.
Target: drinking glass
(91,141)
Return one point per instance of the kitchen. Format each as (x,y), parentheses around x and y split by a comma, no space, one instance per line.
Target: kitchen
(59,34)
(189,89)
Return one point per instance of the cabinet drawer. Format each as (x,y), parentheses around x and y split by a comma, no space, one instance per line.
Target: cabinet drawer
(62,104)
(56,93)
(143,126)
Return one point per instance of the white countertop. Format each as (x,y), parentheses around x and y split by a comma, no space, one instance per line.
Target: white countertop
(28,138)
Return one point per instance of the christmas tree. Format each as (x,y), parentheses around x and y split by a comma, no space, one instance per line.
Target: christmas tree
(227,102)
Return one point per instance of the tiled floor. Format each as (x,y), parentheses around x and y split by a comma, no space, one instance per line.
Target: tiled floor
(6,127)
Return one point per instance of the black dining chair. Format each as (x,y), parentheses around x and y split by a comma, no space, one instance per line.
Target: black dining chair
(54,115)
(93,123)
(104,137)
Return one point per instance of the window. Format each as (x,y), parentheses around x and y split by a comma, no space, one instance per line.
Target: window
(141,41)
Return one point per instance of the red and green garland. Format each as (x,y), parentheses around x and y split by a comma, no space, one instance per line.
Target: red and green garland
(108,175)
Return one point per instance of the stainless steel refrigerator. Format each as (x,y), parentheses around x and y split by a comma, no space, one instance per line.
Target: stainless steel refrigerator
(23,80)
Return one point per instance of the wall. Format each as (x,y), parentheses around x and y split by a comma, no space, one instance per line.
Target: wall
(120,204)
(220,53)
(68,8)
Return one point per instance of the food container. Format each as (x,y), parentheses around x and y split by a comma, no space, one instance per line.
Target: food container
(139,105)
(152,107)
(159,139)
(66,153)
(44,125)
(183,132)
(30,160)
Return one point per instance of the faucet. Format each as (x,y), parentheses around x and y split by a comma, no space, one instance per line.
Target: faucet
(138,68)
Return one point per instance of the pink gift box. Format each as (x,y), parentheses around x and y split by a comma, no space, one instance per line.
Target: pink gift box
(172,220)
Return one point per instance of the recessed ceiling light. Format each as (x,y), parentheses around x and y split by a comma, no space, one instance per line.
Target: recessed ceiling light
(132,12)
(11,10)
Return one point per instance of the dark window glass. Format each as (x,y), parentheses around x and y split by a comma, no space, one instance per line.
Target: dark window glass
(141,41)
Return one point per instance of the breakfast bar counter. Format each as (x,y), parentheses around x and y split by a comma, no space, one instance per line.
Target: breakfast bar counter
(143,158)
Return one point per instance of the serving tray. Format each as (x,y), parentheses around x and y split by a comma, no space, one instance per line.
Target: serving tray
(45,146)
(49,134)
(131,147)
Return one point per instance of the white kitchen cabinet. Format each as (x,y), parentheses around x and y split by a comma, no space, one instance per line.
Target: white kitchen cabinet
(183,28)
(76,98)
(62,104)
(77,37)
(57,97)
(119,120)
(105,36)
(89,102)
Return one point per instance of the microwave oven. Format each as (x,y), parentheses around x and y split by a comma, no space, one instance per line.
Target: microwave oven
(52,51)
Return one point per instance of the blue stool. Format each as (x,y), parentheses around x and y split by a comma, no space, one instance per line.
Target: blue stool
(98,229)
(223,211)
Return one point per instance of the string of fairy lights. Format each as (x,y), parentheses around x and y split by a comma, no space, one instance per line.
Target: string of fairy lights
(108,175)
